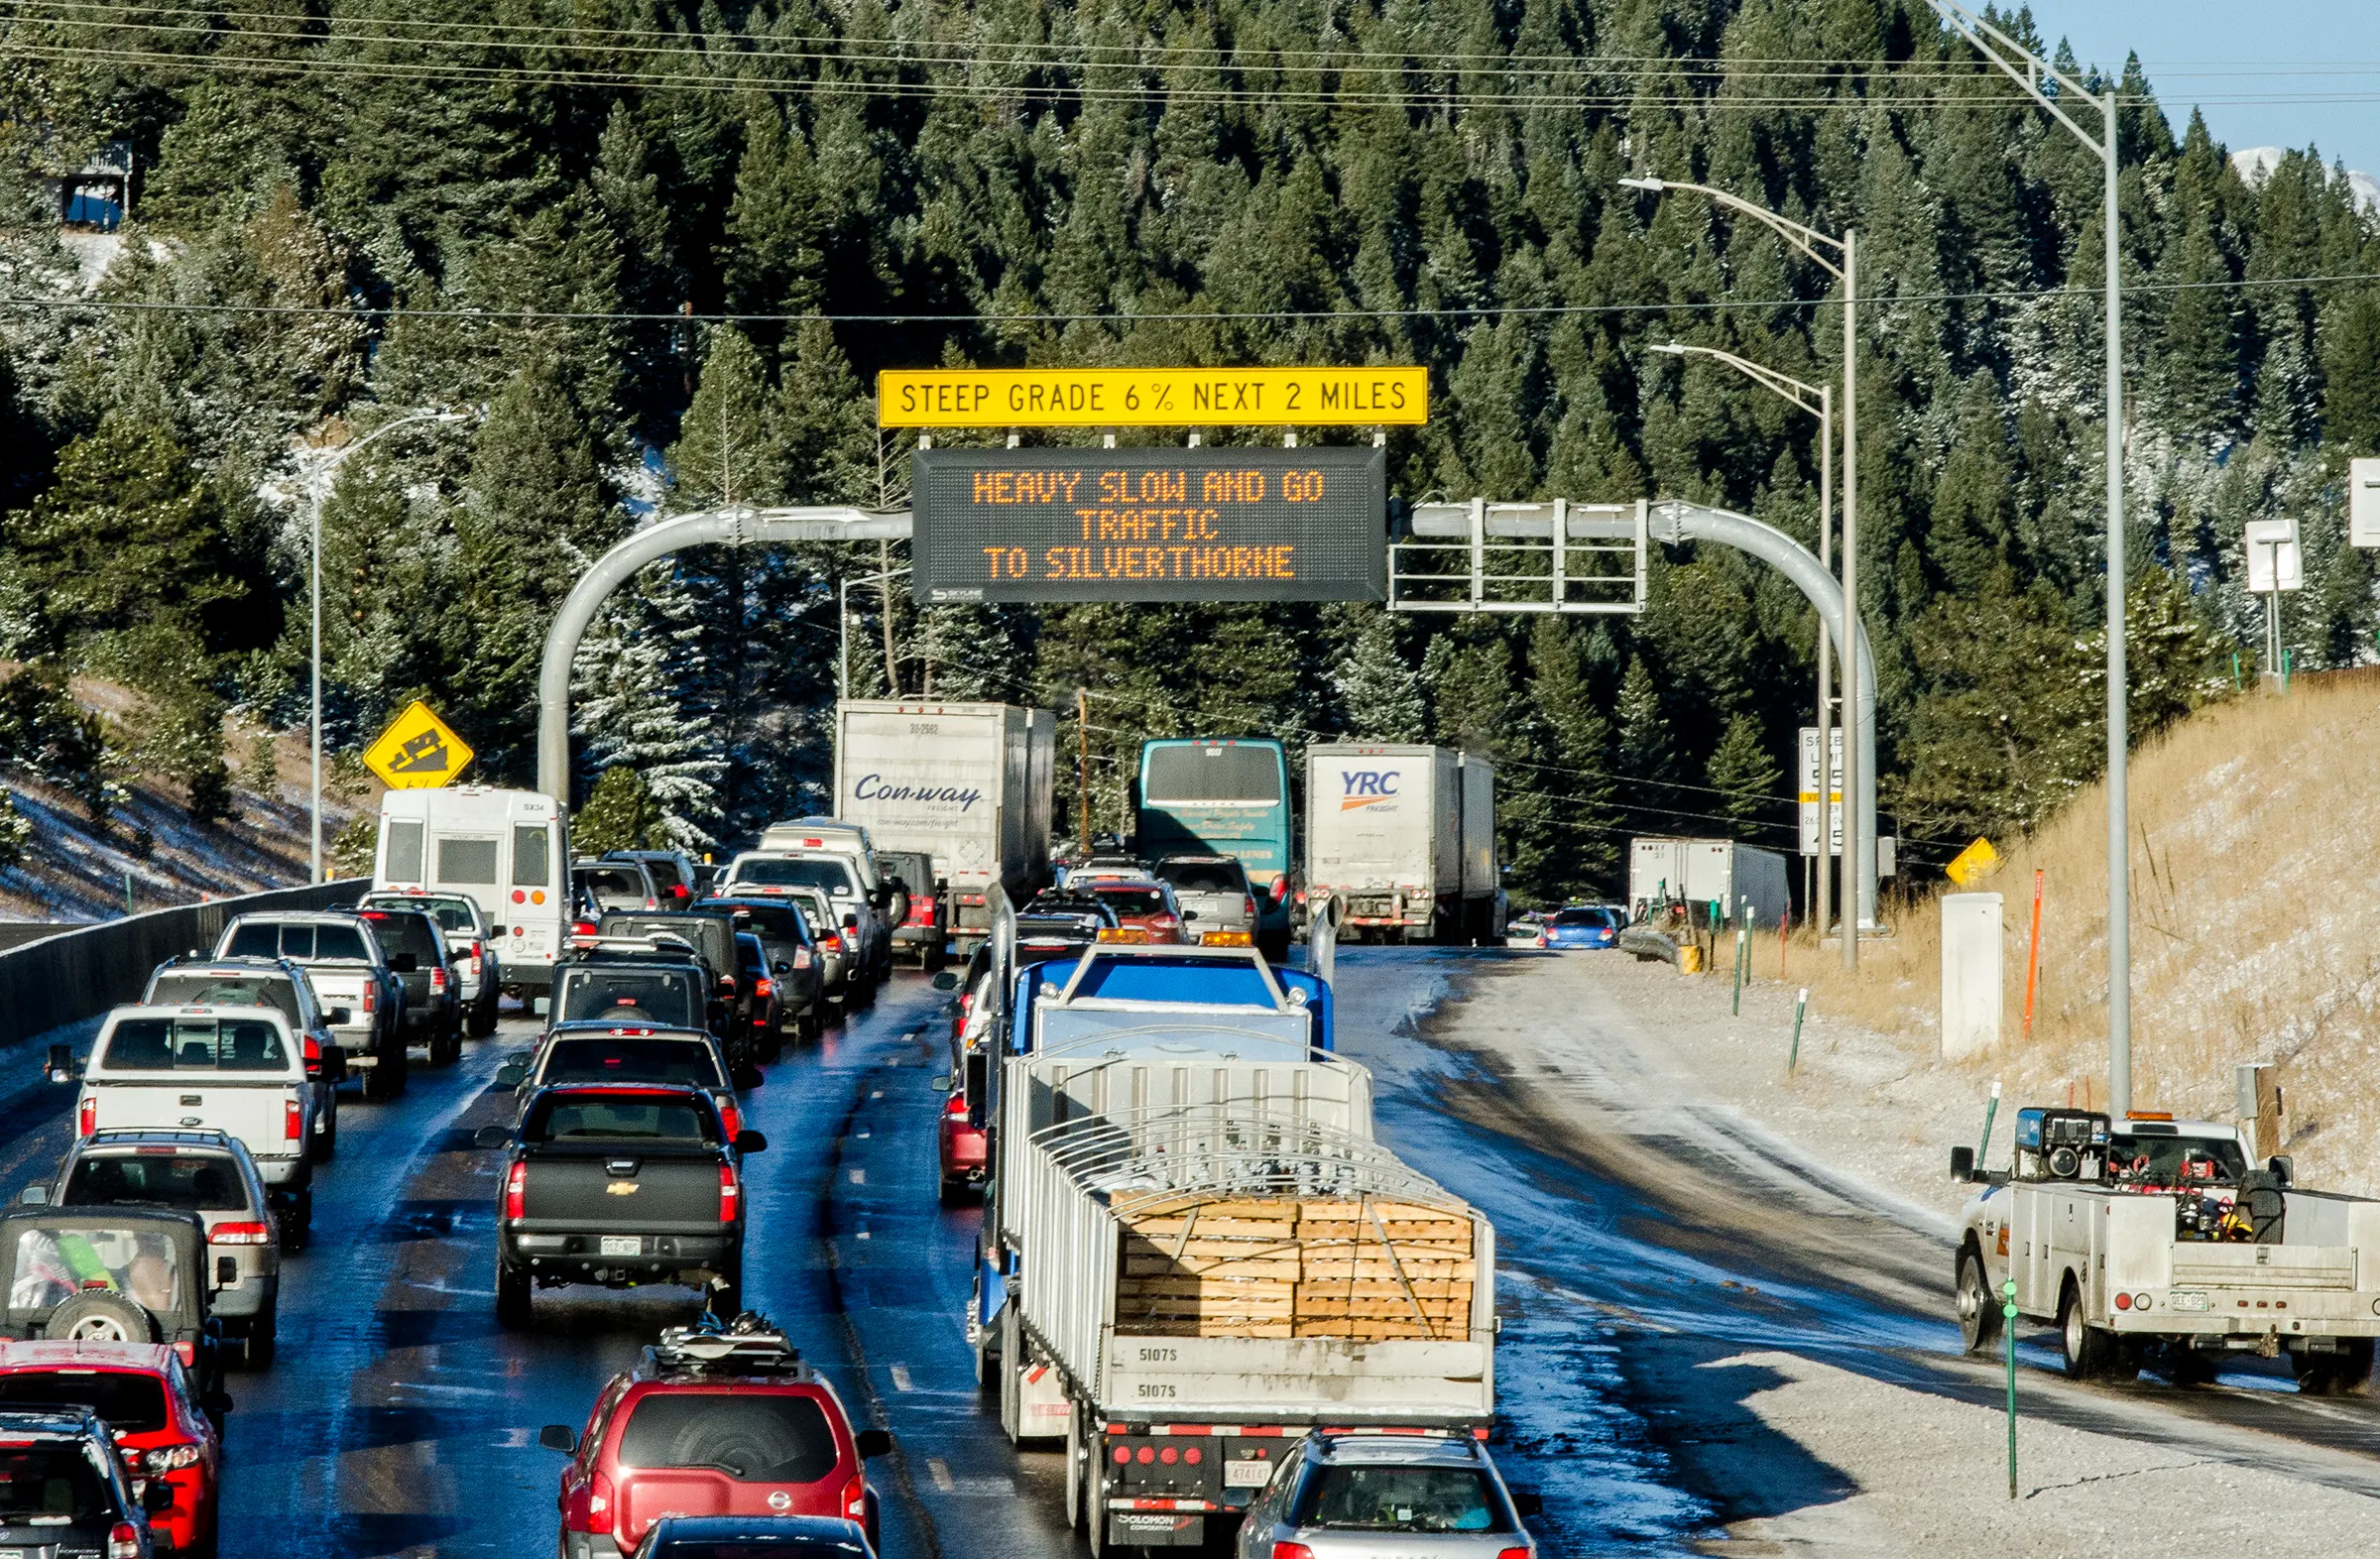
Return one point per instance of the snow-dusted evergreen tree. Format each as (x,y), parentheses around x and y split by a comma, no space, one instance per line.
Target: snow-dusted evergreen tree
(623,703)
(1378,690)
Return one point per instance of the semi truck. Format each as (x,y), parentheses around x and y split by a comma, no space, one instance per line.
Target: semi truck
(966,783)
(1669,876)
(1196,1250)
(1405,837)
(2155,1241)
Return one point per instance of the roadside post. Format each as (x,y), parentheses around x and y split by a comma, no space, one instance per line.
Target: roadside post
(1801,1005)
(2032,962)
(1991,1108)
(2008,1330)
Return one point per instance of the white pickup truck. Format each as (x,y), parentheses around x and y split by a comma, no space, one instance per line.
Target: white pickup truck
(2154,1241)
(236,1069)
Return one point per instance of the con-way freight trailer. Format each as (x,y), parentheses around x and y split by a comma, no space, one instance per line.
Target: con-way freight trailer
(1405,837)
(968,785)
(1698,872)
(1197,1252)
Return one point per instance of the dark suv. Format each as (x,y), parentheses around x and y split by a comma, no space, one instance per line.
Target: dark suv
(63,1489)
(714,1420)
(434,1008)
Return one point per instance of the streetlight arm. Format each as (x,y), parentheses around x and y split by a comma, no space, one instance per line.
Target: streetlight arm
(1804,238)
(1808,397)
(2045,82)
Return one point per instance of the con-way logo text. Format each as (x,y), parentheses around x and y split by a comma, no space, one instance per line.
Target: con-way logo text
(873,788)
(1367,788)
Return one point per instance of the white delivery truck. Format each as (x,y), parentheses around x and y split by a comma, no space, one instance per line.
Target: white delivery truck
(507,851)
(1201,1252)
(2156,1241)
(1700,873)
(968,785)
(1405,837)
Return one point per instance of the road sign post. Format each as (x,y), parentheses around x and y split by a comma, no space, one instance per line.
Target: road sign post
(417,752)
(2008,1331)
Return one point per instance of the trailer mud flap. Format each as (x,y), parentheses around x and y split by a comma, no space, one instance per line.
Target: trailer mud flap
(991,1292)
(1156,1529)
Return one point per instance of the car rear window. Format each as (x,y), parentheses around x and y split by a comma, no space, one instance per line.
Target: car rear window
(470,861)
(633,1060)
(664,871)
(53,1481)
(620,1118)
(1205,876)
(304,941)
(753,1437)
(661,997)
(1133,900)
(1590,917)
(131,1402)
(776,922)
(54,1264)
(181,1045)
(774,871)
(185,1182)
(1398,1500)
(404,931)
(452,915)
(206,989)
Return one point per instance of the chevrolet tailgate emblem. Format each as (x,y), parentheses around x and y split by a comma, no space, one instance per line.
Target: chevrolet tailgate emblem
(621,1189)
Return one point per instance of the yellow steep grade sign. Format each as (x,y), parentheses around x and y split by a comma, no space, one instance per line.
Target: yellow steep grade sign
(1973,864)
(1152,397)
(416,752)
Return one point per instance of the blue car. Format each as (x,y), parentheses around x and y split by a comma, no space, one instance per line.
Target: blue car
(1581,926)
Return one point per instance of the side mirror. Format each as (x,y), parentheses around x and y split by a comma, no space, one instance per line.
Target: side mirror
(850,921)
(559,1437)
(1527,1501)
(1192,914)
(338,1016)
(492,1137)
(157,1497)
(512,1075)
(215,1403)
(402,963)
(227,1271)
(751,1142)
(947,980)
(941,1084)
(541,1005)
(34,1196)
(874,1443)
(60,1068)
(2281,1165)
(1963,1165)
(747,1076)
(781,967)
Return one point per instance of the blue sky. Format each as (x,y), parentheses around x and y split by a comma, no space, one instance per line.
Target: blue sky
(2259,68)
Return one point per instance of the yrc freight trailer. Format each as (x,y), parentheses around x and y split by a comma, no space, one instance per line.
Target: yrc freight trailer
(1704,872)
(1406,837)
(968,785)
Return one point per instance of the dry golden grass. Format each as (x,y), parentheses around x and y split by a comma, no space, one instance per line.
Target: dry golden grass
(2255,930)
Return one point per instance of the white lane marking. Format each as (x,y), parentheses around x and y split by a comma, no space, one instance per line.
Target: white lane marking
(879,1094)
(859,1177)
(901,1379)
(865,1133)
(941,1474)
(515,1440)
(863,1234)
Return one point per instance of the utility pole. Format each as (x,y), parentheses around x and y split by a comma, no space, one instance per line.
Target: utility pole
(1082,761)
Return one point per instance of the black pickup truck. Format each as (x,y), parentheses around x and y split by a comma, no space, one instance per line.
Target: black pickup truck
(619,1185)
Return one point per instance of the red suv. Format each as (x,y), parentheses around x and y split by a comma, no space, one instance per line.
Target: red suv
(163,1431)
(714,1420)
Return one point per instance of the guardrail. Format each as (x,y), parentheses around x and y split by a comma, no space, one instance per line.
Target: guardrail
(81,971)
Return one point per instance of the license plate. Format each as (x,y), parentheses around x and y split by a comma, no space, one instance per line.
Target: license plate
(12,1553)
(1246,1473)
(2186,1301)
(623,1244)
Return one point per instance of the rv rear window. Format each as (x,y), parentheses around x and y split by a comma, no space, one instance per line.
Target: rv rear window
(532,861)
(1223,772)
(404,853)
(467,861)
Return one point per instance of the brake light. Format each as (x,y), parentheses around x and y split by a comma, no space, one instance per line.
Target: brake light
(171,1458)
(438,978)
(582,929)
(1282,1550)
(1513,1553)
(678,888)
(293,1121)
(855,1499)
(1165,921)
(313,1056)
(187,1353)
(1247,902)
(599,1504)
(761,987)
(86,1119)
(652,903)
(475,966)
(730,1194)
(516,1193)
(731,1119)
(801,958)
(240,1233)
(371,996)
(955,1106)
(123,1542)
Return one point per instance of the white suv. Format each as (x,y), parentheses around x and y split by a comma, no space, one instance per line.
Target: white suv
(1359,1496)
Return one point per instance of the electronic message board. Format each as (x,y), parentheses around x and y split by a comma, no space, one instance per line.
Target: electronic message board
(1150,524)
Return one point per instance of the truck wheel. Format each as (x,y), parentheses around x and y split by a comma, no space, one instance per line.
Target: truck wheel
(2088,1352)
(1980,1316)
(483,1015)
(512,1297)
(298,1220)
(257,1346)
(726,1299)
(1075,1466)
(2351,1376)
(1012,1369)
(326,1141)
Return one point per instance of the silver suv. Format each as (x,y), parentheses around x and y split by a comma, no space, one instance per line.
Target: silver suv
(1213,894)
(1358,1495)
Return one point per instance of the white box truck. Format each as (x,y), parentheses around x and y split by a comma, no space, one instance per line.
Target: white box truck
(509,851)
(1700,873)
(1405,837)
(968,785)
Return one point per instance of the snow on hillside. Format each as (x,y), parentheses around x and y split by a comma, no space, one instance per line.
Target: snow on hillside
(2255,164)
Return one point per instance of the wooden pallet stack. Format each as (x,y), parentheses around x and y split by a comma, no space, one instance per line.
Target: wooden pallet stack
(1285,1267)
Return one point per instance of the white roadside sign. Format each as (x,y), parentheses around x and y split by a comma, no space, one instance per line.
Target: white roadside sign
(1808,791)
(2274,560)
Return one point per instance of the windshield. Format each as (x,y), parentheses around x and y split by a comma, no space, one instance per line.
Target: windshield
(306,942)
(2141,1158)
(620,1118)
(54,1264)
(157,1045)
(658,998)
(1399,1499)
(53,1482)
(752,1437)
(1204,877)
(206,989)
(1133,900)
(809,872)
(632,1061)
(185,1182)
(131,1402)
(615,886)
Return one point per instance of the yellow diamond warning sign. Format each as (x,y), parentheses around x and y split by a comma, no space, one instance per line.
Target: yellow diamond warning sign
(1974,862)
(416,752)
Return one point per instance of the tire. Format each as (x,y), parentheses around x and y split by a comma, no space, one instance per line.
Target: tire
(483,1015)
(726,1301)
(2087,1352)
(326,1141)
(1012,1385)
(446,1046)
(263,1339)
(2351,1372)
(949,1192)
(380,1084)
(512,1297)
(100,1317)
(297,1222)
(813,1021)
(1980,1318)
(1076,1469)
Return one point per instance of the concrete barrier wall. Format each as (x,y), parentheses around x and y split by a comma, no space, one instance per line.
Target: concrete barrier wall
(81,972)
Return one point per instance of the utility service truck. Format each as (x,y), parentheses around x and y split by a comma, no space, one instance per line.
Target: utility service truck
(1196,1252)
(2155,1241)
(968,785)
(1406,837)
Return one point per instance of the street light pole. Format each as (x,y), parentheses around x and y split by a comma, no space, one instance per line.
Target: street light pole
(1858,851)
(2046,84)
(1819,402)
(321,494)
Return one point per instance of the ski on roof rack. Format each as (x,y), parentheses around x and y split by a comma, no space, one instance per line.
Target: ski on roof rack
(748,1341)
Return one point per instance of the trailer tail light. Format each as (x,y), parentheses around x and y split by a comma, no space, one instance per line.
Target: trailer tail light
(516,1193)
(86,1118)
(730,1194)
(855,1499)
(240,1233)
(292,1121)
(123,1542)
(599,1504)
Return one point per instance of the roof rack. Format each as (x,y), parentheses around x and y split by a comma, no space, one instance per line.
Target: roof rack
(748,1345)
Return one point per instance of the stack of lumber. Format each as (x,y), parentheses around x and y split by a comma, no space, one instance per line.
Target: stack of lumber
(1286,1267)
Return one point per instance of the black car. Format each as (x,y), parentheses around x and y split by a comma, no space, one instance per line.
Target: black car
(744,1536)
(637,985)
(794,961)
(711,934)
(1060,925)
(112,1274)
(416,949)
(65,1489)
